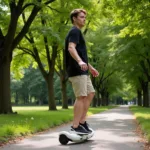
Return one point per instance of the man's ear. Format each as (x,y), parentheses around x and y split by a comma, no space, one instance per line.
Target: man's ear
(74,19)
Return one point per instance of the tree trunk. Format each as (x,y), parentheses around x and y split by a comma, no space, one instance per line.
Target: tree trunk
(107,99)
(99,101)
(139,96)
(5,98)
(30,99)
(64,92)
(103,99)
(16,98)
(5,60)
(95,99)
(51,95)
(94,103)
(64,83)
(145,94)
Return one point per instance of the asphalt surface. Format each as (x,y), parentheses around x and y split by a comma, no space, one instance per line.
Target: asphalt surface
(114,130)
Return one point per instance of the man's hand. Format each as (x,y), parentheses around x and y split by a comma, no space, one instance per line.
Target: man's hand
(94,72)
(83,65)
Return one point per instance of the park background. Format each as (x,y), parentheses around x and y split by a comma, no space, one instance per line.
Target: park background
(32,66)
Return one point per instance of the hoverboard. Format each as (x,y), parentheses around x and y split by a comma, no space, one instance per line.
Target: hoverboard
(65,137)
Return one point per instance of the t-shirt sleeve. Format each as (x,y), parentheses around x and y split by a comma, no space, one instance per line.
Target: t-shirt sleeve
(74,36)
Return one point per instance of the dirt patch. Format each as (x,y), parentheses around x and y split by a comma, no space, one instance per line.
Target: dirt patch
(142,136)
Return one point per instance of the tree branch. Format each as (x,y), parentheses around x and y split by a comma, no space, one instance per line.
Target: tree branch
(27,5)
(48,2)
(66,21)
(12,5)
(12,28)
(1,34)
(26,50)
(29,40)
(43,22)
(54,9)
(148,61)
(108,76)
(145,69)
(19,6)
(86,29)
(139,55)
(37,57)
(23,18)
(20,3)
(25,28)
(23,53)
(59,62)
(57,72)
(2,38)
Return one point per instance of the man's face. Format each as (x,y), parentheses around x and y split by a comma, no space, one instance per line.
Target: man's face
(80,20)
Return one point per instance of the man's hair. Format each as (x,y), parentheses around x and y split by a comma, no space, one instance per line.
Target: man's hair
(75,13)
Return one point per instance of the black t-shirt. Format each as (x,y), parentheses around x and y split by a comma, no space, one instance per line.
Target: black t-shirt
(75,36)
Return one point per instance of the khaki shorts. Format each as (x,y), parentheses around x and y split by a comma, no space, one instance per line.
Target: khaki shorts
(82,85)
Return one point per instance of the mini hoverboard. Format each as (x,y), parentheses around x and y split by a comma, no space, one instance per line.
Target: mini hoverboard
(65,137)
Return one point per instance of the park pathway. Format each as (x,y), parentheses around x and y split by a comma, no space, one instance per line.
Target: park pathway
(114,130)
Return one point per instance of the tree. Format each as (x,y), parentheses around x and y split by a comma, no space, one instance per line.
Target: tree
(9,39)
(102,59)
(31,88)
(133,55)
(131,20)
(50,43)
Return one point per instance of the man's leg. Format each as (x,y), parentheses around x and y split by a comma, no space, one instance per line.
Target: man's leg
(87,102)
(78,110)
(79,84)
(90,96)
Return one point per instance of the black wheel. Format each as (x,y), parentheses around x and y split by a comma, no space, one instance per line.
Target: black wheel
(63,139)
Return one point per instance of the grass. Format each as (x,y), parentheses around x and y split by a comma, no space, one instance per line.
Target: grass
(142,115)
(30,120)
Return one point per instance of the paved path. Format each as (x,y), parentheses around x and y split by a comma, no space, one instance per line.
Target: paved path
(114,130)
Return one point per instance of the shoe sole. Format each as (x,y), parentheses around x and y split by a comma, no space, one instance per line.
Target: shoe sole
(79,133)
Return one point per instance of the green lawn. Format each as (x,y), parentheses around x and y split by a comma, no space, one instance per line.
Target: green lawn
(143,117)
(34,119)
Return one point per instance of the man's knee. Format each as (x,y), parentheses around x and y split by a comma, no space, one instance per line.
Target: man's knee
(91,94)
(81,97)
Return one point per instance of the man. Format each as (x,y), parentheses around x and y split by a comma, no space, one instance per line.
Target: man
(77,68)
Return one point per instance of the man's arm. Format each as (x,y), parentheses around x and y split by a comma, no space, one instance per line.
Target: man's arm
(93,71)
(73,52)
(90,66)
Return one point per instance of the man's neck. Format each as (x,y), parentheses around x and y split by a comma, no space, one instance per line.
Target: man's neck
(77,26)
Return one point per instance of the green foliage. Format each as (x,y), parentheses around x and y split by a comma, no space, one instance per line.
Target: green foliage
(130,45)
(4,16)
(117,40)
(20,61)
(130,52)
(103,59)
(133,15)
(31,85)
